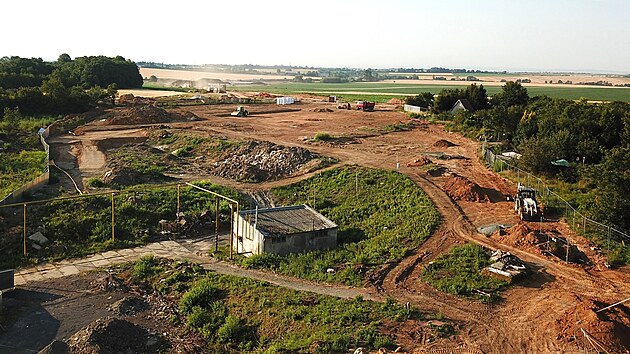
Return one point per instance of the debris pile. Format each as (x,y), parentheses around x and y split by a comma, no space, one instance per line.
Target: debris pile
(258,161)
(443,143)
(112,335)
(128,306)
(506,266)
(322,110)
(461,188)
(421,161)
(396,101)
(609,328)
(130,100)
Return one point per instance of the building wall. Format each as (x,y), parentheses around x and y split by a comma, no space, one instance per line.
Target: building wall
(303,242)
(250,241)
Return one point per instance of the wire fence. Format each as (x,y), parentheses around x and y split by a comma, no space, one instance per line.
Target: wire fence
(82,224)
(605,236)
(36,183)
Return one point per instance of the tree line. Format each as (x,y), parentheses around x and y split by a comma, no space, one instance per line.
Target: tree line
(593,137)
(36,87)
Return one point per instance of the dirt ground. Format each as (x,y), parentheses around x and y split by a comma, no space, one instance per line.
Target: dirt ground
(545,313)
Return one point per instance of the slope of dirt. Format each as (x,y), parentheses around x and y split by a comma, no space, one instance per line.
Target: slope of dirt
(461,188)
(259,161)
(145,114)
(112,335)
(610,328)
(443,143)
(138,164)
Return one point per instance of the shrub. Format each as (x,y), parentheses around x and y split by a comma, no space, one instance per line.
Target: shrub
(202,294)
(231,330)
(322,137)
(146,267)
(95,183)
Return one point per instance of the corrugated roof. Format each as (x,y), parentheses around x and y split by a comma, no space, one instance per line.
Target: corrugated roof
(287,220)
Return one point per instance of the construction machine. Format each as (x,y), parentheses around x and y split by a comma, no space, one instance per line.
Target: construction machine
(240,112)
(525,203)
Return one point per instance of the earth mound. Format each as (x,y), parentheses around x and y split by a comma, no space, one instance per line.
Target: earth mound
(461,188)
(396,101)
(421,161)
(609,328)
(443,143)
(112,335)
(145,114)
(130,100)
(128,306)
(258,161)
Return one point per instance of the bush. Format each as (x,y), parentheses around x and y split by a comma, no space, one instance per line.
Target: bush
(322,137)
(202,294)
(262,261)
(95,182)
(146,267)
(231,330)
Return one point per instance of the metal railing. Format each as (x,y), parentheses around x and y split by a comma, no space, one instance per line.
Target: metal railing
(604,236)
(37,182)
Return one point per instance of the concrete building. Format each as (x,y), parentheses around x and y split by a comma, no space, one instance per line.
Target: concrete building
(283,230)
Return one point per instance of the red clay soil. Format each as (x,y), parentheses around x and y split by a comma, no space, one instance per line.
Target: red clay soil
(461,188)
(421,161)
(610,328)
(442,143)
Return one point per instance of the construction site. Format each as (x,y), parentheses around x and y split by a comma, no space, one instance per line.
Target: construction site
(561,287)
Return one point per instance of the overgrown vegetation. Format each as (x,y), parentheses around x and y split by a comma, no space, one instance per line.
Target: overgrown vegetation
(22,156)
(77,227)
(242,315)
(381,216)
(459,272)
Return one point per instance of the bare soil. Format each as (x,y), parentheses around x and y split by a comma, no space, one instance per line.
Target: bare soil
(533,315)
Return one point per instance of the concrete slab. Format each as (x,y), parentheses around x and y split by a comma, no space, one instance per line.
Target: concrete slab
(18,280)
(69,270)
(33,277)
(51,274)
(101,262)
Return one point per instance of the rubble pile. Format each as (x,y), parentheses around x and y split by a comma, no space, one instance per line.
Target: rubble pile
(443,143)
(610,327)
(128,306)
(258,161)
(421,161)
(112,335)
(461,188)
(130,100)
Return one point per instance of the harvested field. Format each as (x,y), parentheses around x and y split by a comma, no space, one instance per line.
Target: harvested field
(461,188)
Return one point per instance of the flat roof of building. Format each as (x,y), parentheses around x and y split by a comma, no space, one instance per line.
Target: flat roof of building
(287,220)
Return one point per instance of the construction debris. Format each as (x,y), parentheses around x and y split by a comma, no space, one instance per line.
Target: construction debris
(506,266)
(443,143)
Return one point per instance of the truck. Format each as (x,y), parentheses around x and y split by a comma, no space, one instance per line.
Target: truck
(525,203)
(366,106)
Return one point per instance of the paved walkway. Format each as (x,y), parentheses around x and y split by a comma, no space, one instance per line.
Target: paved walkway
(195,250)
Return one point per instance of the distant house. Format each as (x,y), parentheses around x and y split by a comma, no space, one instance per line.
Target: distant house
(462,104)
(283,230)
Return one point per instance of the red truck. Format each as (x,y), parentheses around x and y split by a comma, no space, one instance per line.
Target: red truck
(366,106)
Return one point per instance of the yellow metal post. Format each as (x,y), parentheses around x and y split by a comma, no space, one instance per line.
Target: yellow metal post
(178,194)
(113,238)
(216,227)
(24,230)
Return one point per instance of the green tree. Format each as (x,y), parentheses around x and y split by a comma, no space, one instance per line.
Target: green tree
(424,99)
(512,94)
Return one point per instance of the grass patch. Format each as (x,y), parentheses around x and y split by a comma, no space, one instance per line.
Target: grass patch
(459,272)
(82,226)
(322,137)
(243,315)
(381,216)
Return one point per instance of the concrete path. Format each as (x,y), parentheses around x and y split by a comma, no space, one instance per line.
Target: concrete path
(193,250)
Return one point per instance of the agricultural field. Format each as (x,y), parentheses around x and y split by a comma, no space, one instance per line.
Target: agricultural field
(381,92)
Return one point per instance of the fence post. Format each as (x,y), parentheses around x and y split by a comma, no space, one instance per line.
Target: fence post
(178,203)
(584,222)
(608,242)
(113,237)
(24,229)
(216,227)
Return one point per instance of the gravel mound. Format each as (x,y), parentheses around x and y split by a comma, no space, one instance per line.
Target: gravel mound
(112,335)
(258,161)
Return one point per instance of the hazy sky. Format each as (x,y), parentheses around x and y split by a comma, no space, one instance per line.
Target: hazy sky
(566,35)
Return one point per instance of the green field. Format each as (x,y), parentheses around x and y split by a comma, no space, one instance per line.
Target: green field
(375,90)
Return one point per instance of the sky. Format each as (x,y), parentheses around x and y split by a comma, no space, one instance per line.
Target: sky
(512,35)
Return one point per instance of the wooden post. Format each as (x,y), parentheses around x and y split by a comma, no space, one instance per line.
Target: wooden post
(113,237)
(24,229)
(216,227)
